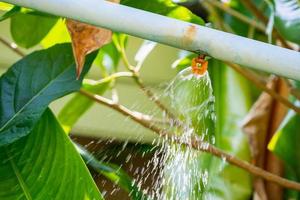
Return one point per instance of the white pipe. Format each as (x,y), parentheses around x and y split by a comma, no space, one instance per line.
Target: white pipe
(176,33)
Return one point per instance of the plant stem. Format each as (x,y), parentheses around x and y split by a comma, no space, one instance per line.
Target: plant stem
(115,75)
(255,80)
(12,46)
(122,109)
(147,91)
(196,144)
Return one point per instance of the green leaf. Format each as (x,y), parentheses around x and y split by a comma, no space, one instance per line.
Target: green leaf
(237,25)
(287,19)
(165,7)
(44,165)
(79,104)
(233,100)
(58,34)
(10,13)
(28,29)
(285,144)
(114,173)
(31,84)
(5,6)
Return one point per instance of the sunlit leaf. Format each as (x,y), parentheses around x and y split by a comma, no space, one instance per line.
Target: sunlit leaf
(10,13)
(58,34)
(44,165)
(28,29)
(287,19)
(31,84)
(5,6)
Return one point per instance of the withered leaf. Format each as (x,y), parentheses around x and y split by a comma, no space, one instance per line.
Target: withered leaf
(86,39)
(256,126)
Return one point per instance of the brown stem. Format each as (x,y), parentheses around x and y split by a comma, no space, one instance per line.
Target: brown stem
(122,109)
(197,144)
(255,80)
(12,47)
(148,92)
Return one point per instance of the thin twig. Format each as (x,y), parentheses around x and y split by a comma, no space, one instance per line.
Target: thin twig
(197,144)
(255,80)
(154,98)
(115,75)
(12,46)
(147,91)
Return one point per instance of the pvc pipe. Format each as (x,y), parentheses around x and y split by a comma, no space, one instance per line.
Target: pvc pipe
(220,45)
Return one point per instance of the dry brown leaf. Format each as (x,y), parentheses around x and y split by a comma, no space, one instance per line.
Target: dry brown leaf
(273,163)
(260,124)
(86,39)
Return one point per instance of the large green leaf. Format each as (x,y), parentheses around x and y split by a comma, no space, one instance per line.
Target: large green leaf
(31,84)
(29,29)
(165,7)
(233,100)
(287,19)
(285,144)
(44,165)
(114,173)
(79,104)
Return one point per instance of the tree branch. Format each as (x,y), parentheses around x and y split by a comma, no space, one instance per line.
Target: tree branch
(148,92)
(196,144)
(255,80)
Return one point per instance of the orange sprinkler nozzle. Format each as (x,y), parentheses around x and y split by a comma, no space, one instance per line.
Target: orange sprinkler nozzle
(199,65)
